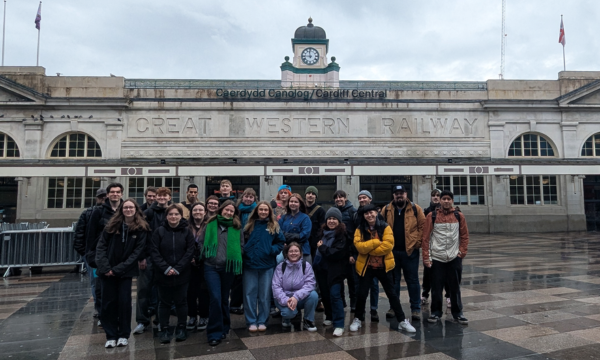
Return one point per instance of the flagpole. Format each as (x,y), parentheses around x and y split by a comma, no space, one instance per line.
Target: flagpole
(564,61)
(3,31)
(38,48)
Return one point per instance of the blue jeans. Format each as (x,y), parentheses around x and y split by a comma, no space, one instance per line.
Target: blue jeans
(218,282)
(309,304)
(409,265)
(257,291)
(337,305)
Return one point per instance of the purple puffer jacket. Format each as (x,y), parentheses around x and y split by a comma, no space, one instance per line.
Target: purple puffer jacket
(293,282)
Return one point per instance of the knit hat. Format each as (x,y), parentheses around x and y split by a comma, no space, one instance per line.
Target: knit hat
(334,212)
(313,190)
(366,192)
(285,187)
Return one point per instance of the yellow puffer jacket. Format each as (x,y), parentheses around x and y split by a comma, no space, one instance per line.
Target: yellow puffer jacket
(374,247)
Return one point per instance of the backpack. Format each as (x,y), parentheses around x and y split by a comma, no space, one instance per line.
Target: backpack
(434,214)
(284,265)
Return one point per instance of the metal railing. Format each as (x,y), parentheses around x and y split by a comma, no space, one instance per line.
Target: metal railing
(37,246)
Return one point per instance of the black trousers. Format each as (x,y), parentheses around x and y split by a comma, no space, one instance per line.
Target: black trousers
(427,283)
(144,306)
(169,296)
(446,273)
(364,286)
(237,293)
(116,306)
(350,271)
(197,295)
(98,291)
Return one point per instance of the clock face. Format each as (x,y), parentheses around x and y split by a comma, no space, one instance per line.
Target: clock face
(310,56)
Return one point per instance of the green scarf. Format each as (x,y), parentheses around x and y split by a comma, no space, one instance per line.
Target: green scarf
(234,249)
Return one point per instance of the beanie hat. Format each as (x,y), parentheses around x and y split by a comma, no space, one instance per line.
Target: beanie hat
(313,190)
(285,187)
(369,207)
(366,192)
(334,212)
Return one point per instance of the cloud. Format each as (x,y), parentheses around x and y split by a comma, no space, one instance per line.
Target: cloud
(378,40)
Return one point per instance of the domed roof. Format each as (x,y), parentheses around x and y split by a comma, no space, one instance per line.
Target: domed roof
(310,32)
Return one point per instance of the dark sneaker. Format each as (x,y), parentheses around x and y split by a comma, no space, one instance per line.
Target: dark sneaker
(433,318)
(202,324)
(320,307)
(165,336)
(416,315)
(192,323)
(461,320)
(309,325)
(181,334)
(236,311)
(390,314)
(374,316)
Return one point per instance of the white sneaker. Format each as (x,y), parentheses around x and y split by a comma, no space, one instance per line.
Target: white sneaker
(338,332)
(122,342)
(356,324)
(110,344)
(327,322)
(448,303)
(139,329)
(286,323)
(99,323)
(406,326)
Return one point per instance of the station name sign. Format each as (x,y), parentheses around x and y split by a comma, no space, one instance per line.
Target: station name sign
(302,94)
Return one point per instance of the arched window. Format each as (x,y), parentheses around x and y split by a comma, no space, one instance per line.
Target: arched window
(530,145)
(76,145)
(591,147)
(8,147)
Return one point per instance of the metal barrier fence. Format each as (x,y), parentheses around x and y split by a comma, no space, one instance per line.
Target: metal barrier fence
(38,247)
(22,226)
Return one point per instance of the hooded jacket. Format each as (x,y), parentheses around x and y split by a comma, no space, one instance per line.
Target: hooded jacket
(293,282)
(447,238)
(120,252)
(156,215)
(348,211)
(381,243)
(172,248)
(261,248)
(335,258)
(98,220)
(299,225)
(317,220)
(81,229)
(414,220)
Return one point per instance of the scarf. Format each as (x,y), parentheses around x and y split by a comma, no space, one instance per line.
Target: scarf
(328,239)
(245,211)
(234,249)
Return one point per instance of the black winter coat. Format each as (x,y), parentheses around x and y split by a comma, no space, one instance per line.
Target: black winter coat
(155,216)
(336,256)
(317,220)
(172,248)
(80,230)
(98,220)
(120,252)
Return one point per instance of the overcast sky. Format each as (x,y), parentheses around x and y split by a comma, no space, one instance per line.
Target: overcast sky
(372,40)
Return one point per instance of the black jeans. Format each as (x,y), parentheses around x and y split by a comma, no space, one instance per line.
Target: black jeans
(427,283)
(169,296)
(116,306)
(451,274)
(145,305)
(387,281)
(197,297)
(352,286)
(237,293)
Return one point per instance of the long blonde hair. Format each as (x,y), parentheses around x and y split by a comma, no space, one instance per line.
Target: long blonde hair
(272,224)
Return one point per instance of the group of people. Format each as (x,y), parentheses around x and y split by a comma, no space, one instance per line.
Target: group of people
(202,261)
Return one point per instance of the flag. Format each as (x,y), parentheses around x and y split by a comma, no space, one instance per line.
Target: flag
(38,17)
(561,36)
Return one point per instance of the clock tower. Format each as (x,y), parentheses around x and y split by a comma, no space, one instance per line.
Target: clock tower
(309,67)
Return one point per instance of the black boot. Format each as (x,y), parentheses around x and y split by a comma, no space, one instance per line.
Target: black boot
(374,316)
(165,336)
(181,334)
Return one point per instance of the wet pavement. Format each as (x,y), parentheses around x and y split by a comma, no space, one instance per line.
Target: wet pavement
(527,296)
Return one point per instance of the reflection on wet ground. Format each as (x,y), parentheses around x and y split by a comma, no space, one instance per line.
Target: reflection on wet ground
(527,296)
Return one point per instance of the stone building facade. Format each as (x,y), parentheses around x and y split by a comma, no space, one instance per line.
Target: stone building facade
(520,155)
